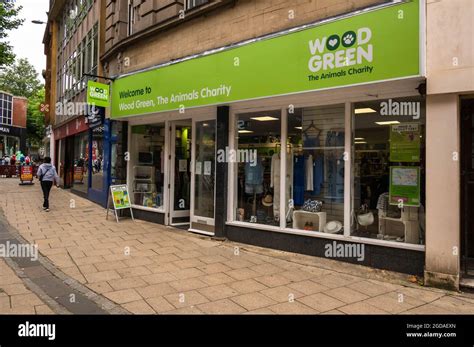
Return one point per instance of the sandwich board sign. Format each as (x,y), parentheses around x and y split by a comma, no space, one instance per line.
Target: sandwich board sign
(120,200)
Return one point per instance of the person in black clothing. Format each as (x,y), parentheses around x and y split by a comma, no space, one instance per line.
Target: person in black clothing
(47,175)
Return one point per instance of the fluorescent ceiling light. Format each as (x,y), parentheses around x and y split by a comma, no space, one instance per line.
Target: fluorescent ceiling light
(391,122)
(299,128)
(264,118)
(360,142)
(245,132)
(364,110)
(359,138)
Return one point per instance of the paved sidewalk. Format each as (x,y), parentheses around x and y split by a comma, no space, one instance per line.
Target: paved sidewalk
(15,298)
(148,268)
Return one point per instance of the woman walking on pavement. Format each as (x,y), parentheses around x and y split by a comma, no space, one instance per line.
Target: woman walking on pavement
(47,175)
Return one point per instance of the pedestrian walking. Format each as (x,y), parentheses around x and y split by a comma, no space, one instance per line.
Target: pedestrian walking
(48,176)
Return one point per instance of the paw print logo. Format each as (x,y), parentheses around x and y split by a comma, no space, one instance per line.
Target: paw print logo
(348,39)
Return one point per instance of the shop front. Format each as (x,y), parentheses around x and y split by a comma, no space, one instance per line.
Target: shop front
(84,157)
(12,140)
(311,141)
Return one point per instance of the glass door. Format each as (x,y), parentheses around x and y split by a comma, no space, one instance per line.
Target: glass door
(180,172)
(203,182)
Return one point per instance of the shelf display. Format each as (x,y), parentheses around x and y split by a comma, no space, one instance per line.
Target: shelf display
(147,166)
(389,173)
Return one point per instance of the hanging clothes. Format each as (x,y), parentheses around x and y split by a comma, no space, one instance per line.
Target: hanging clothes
(298,180)
(318,174)
(309,173)
(254,178)
(275,181)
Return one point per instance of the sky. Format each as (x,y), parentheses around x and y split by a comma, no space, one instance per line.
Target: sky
(27,40)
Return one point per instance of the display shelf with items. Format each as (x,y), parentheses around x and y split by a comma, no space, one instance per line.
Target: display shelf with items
(147,178)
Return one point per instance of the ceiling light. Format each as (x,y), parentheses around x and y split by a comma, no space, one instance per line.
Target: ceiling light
(245,132)
(299,128)
(391,122)
(359,138)
(364,110)
(360,142)
(264,118)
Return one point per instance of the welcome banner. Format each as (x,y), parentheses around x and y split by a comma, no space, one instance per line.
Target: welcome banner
(373,46)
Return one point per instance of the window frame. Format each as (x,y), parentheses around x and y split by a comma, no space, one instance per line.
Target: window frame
(348,179)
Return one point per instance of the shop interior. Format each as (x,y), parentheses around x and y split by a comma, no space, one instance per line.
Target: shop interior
(386,152)
(147,165)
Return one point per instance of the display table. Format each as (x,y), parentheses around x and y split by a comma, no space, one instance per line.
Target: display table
(300,218)
(409,220)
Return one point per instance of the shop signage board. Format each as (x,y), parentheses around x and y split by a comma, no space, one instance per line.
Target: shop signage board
(26,174)
(405,186)
(98,94)
(382,44)
(78,174)
(120,199)
(405,143)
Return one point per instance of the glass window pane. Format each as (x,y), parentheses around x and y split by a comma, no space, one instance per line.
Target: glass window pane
(315,196)
(258,176)
(81,161)
(98,158)
(147,165)
(389,170)
(204,179)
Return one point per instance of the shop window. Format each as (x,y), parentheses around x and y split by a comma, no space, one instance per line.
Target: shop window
(314,193)
(97,171)
(258,147)
(9,146)
(389,170)
(147,165)
(81,162)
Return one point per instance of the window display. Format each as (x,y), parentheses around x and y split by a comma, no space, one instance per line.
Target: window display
(81,162)
(258,177)
(316,139)
(389,170)
(98,158)
(147,165)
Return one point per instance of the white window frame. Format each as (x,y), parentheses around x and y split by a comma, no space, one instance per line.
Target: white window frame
(348,181)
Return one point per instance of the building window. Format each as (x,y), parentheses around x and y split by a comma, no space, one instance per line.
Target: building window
(315,194)
(190,4)
(131,17)
(389,170)
(258,169)
(83,60)
(147,165)
(6,109)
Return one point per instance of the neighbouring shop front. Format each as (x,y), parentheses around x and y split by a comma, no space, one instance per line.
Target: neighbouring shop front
(12,140)
(309,141)
(83,157)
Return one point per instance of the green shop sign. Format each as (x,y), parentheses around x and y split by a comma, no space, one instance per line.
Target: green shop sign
(405,143)
(373,46)
(405,185)
(98,94)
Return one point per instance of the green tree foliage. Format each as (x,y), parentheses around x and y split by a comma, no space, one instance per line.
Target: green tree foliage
(8,21)
(35,119)
(20,79)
